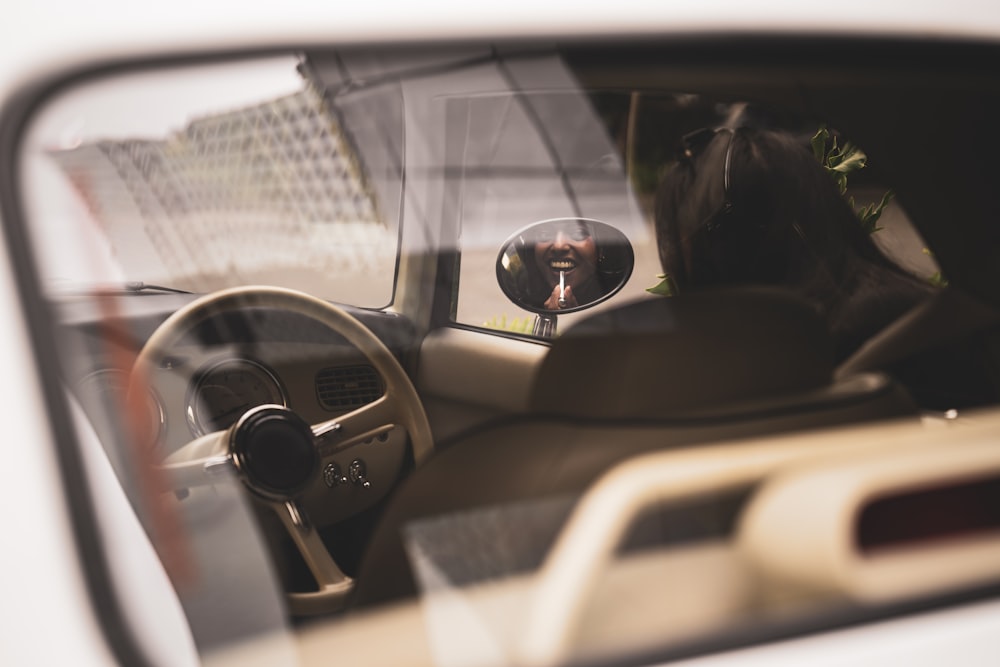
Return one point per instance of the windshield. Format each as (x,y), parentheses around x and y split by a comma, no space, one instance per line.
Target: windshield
(207,178)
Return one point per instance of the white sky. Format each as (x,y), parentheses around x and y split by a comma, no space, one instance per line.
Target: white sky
(153,104)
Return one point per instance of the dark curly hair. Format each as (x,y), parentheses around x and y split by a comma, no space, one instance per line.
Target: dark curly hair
(750,206)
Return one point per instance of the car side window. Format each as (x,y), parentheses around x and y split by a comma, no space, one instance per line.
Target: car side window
(536,156)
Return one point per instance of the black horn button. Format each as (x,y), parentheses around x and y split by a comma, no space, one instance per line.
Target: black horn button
(273,449)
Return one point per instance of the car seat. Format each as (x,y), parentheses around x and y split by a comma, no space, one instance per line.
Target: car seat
(650,375)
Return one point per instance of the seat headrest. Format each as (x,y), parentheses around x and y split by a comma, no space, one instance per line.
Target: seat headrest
(666,357)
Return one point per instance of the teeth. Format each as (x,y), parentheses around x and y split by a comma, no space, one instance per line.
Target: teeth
(561,265)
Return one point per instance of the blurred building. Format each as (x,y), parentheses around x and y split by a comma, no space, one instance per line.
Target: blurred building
(271,193)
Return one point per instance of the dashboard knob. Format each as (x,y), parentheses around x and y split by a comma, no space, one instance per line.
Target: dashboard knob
(358,473)
(332,476)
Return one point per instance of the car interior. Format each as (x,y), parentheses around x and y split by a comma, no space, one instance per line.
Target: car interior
(285,305)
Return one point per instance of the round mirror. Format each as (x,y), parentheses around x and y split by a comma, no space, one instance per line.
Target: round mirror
(564,265)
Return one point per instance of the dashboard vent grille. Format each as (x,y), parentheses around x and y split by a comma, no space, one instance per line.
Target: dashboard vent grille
(347,387)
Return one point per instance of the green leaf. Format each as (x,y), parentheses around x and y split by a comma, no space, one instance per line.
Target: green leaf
(869,215)
(937,279)
(850,159)
(665,287)
(818,143)
(839,162)
(841,181)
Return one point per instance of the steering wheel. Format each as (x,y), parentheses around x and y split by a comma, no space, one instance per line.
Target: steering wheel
(275,452)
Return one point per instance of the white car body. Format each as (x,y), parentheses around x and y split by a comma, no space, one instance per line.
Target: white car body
(48,614)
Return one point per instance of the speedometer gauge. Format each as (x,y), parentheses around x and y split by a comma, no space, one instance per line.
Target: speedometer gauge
(224,392)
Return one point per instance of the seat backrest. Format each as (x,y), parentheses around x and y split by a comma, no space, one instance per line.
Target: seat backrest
(654,374)
(664,358)
(938,351)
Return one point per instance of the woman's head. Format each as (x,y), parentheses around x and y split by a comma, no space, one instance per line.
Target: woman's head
(752,206)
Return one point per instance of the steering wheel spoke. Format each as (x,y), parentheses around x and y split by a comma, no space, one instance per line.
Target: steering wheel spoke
(333,585)
(199,462)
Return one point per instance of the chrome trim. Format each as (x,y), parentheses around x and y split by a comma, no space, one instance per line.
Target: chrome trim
(319,430)
(298,519)
(220,465)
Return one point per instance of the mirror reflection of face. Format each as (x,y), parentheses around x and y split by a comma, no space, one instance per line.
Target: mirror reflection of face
(569,249)
(594,258)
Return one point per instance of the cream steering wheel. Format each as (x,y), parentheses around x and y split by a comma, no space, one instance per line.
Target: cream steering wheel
(273,450)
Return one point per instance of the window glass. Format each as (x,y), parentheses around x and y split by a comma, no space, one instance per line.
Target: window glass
(205,178)
(300,173)
(533,150)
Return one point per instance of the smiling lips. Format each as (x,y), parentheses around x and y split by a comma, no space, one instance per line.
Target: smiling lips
(562,264)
